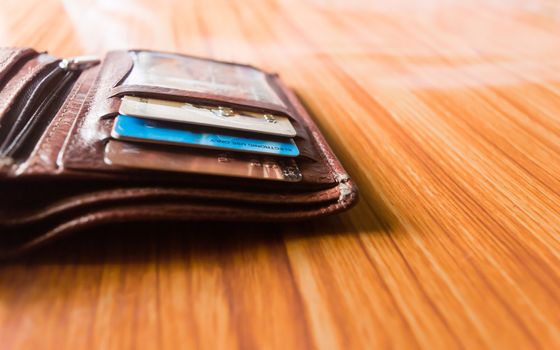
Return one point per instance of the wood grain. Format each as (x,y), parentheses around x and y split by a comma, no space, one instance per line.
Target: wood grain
(447,114)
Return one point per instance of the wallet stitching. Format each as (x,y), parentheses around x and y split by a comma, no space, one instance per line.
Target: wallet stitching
(105,71)
(87,104)
(345,189)
(62,115)
(341,177)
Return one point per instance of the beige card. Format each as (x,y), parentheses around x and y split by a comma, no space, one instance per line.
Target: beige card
(212,116)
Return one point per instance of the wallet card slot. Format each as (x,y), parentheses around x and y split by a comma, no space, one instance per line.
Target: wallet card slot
(22,146)
(197,98)
(21,110)
(305,146)
(185,78)
(30,116)
(114,102)
(316,173)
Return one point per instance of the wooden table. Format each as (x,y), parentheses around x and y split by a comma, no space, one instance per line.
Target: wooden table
(447,114)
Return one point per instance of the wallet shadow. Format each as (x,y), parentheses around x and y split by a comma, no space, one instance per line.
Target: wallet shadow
(144,242)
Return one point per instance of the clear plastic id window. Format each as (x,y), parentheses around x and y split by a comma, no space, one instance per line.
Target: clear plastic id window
(199,75)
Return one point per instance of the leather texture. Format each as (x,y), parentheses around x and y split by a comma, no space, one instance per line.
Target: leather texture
(63,185)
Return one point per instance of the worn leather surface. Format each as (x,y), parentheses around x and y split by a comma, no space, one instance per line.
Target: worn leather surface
(64,184)
(43,158)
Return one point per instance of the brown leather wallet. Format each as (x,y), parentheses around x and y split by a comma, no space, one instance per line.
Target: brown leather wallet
(56,117)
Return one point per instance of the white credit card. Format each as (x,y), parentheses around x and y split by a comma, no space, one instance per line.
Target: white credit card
(213,116)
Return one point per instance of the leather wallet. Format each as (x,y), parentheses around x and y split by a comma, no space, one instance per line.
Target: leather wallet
(56,117)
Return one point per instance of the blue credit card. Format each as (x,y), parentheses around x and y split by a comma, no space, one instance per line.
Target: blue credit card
(139,129)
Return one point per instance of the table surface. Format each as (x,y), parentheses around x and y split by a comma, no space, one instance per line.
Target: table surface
(447,115)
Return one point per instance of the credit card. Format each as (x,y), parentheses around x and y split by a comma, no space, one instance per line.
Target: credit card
(154,157)
(213,116)
(145,130)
